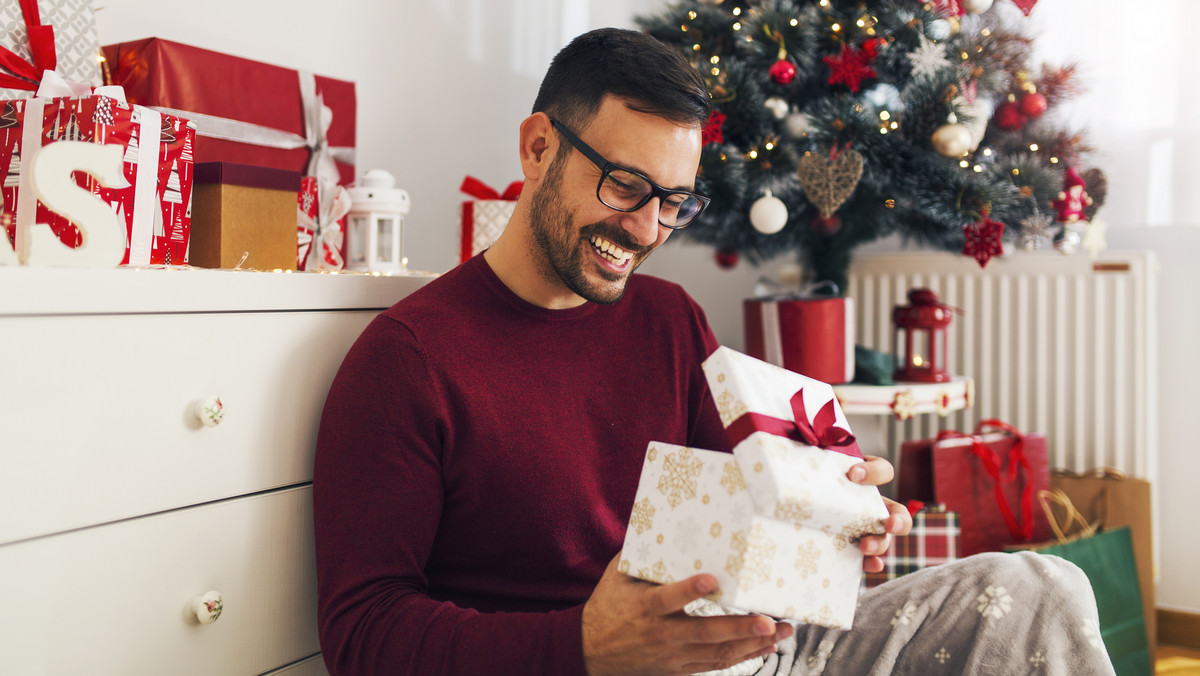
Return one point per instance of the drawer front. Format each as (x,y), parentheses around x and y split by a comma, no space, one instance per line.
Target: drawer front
(96,412)
(313,666)
(116,599)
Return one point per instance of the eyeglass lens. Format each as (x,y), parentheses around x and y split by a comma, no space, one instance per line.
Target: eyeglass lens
(625,191)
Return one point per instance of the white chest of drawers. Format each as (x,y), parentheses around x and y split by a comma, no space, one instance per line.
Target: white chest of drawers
(118,507)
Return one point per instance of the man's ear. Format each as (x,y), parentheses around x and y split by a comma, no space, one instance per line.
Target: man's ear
(539,144)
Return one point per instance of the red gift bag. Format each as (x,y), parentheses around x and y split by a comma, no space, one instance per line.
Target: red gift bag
(990,478)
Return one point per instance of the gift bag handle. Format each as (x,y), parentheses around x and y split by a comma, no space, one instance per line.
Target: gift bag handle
(1072,517)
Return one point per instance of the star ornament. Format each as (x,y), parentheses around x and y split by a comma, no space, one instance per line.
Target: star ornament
(983,240)
(928,58)
(1034,229)
(850,67)
(1094,238)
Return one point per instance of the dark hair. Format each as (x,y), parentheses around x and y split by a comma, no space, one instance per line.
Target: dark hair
(648,75)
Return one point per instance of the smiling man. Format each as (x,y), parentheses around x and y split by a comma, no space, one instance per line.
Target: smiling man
(481,445)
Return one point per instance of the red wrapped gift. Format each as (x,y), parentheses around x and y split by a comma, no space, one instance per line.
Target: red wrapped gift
(932,541)
(812,336)
(990,478)
(155,205)
(484,218)
(281,118)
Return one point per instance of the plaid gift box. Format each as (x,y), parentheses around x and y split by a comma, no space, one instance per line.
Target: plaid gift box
(932,541)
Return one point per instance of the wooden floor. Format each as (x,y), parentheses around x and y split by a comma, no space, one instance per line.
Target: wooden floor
(1175,661)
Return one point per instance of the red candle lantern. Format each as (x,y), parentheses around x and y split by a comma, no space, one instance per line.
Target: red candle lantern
(919,341)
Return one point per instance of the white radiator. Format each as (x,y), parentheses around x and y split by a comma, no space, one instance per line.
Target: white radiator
(1056,344)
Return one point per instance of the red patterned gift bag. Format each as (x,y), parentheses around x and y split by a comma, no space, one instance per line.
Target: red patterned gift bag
(990,478)
(932,541)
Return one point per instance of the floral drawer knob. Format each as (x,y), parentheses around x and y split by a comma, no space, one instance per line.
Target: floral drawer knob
(207,607)
(210,411)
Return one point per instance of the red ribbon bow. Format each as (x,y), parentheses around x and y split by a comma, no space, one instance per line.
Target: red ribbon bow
(992,464)
(480,190)
(822,432)
(26,75)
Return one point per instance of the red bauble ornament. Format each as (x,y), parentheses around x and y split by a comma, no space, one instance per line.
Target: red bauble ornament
(826,227)
(726,260)
(983,240)
(1008,116)
(1033,105)
(783,72)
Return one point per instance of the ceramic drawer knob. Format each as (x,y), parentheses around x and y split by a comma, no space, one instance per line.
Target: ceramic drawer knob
(210,411)
(207,607)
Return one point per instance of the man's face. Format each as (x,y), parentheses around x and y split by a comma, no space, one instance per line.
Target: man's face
(584,245)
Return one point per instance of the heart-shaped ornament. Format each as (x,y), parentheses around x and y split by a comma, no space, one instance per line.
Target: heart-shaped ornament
(829,183)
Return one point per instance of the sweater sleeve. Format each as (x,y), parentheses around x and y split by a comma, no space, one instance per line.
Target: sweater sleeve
(377,500)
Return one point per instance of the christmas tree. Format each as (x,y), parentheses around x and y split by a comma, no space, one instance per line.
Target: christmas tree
(837,122)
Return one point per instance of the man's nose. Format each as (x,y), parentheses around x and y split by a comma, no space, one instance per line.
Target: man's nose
(643,223)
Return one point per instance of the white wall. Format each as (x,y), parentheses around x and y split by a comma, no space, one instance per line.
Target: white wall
(442,85)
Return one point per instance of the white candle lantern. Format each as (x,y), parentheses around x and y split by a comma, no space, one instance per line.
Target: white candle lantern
(375,232)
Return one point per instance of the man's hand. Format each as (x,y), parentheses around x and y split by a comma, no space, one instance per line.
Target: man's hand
(875,471)
(631,627)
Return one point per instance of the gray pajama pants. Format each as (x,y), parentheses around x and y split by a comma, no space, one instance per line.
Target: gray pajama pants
(986,615)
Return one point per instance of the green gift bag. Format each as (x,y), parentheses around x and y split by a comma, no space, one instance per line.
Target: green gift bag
(1107,559)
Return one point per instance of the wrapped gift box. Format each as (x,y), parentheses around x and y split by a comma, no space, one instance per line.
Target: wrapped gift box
(240,210)
(932,541)
(484,218)
(268,106)
(777,522)
(320,239)
(811,336)
(155,205)
(74,43)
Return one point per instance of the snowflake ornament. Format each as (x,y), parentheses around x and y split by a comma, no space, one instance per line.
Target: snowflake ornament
(850,67)
(983,240)
(1034,230)
(928,58)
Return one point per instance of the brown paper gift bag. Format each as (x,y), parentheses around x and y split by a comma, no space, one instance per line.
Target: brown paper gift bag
(1109,498)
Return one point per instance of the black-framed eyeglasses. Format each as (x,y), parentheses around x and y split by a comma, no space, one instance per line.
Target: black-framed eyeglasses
(627,190)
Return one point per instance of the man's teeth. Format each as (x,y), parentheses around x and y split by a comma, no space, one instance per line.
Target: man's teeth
(611,251)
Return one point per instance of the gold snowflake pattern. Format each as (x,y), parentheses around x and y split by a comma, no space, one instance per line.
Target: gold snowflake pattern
(678,480)
(853,532)
(656,573)
(822,617)
(730,407)
(715,531)
(807,556)
(751,558)
(795,511)
(994,602)
(642,518)
(623,566)
(904,405)
(732,478)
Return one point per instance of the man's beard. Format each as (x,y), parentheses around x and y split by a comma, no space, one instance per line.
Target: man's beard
(566,250)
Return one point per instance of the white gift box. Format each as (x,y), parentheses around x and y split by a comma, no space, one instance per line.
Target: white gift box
(777,523)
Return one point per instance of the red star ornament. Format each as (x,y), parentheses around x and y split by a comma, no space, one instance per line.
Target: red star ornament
(850,67)
(983,240)
(1025,6)
(712,131)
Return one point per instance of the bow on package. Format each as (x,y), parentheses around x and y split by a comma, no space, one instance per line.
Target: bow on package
(21,74)
(821,432)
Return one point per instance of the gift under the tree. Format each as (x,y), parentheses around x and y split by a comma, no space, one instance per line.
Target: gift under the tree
(778,521)
(484,218)
(154,206)
(244,216)
(932,541)
(811,335)
(55,35)
(246,111)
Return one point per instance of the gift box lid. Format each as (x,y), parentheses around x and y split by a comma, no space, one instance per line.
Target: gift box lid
(250,176)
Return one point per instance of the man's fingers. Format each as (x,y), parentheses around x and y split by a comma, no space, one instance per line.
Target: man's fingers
(872,471)
(899,522)
(671,598)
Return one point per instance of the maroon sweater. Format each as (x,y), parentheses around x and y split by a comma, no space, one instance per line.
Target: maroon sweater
(477,463)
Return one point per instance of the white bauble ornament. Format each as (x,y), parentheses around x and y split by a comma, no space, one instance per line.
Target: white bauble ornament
(768,214)
(952,140)
(938,29)
(777,106)
(1067,240)
(976,6)
(797,124)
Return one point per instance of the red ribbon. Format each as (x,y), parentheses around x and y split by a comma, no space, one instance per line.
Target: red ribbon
(26,75)
(480,190)
(822,432)
(992,464)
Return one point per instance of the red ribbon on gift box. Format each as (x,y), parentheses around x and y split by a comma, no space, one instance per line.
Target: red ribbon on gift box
(992,464)
(26,75)
(822,432)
